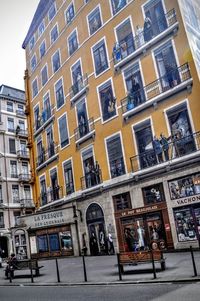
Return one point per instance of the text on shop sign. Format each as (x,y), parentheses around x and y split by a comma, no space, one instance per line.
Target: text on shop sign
(188,200)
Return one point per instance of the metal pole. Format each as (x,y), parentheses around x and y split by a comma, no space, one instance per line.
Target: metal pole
(84,268)
(10,275)
(57,270)
(193,261)
(153,265)
(119,267)
(32,280)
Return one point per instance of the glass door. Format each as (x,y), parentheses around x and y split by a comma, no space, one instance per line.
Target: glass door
(155,230)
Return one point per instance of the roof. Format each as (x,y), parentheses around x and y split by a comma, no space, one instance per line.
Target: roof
(12,93)
(41,11)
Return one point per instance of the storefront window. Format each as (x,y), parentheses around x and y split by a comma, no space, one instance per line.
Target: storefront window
(66,241)
(42,243)
(153,194)
(184,187)
(185,224)
(54,242)
(122,201)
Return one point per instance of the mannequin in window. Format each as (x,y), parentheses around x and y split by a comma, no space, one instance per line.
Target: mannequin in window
(148,31)
(116,52)
(97,172)
(141,235)
(157,149)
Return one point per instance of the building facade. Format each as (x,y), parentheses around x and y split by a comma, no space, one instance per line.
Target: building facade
(15,175)
(113,112)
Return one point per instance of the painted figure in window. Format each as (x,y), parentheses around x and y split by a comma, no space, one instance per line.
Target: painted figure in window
(139,36)
(156,195)
(83,128)
(157,149)
(165,146)
(93,245)
(118,4)
(97,172)
(135,92)
(117,52)
(148,31)
(88,175)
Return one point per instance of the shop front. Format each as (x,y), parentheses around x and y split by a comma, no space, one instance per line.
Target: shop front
(185,201)
(48,234)
(143,227)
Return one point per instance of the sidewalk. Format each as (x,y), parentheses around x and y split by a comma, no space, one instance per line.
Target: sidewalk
(103,270)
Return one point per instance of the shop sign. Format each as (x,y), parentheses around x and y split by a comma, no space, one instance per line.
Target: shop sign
(140,210)
(47,219)
(188,200)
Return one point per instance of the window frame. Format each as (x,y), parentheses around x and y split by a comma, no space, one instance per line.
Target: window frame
(67,9)
(42,54)
(67,128)
(47,77)
(68,38)
(34,94)
(51,17)
(101,19)
(55,27)
(103,39)
(52,62)
(62,84)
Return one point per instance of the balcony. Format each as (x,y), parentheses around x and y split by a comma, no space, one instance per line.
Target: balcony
(25,177)
(14,175)
(171,83)
(53,194)
(20,113)
(79,88)
(84,131)
(47,117)
(21,133)
(69,188)
(178,150)
(91,179)
(47,156)
(23,154)
(27,203)
(160,29)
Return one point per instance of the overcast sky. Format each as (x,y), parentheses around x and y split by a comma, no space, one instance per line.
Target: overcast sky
(15,19)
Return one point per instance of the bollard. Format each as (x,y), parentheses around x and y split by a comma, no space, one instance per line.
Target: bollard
(32,280)
(10,275)
(84,268)
(153,265)
(193,262)
(57,270)
(119,267)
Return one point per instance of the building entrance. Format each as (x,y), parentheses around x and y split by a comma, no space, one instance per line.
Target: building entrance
(3,247)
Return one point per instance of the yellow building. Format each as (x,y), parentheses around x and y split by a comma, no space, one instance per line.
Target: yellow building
(113,111)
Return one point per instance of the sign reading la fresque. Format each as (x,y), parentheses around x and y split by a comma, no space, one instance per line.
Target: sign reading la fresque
(47,219)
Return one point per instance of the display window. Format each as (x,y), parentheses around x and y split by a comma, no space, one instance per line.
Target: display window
(122,201)
(66,241)
(153,194)
(20,245)
(187,221)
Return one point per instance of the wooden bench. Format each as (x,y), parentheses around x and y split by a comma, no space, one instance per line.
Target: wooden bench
(135,258)
(23,265)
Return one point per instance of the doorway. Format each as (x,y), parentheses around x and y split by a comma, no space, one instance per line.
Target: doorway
(4,247)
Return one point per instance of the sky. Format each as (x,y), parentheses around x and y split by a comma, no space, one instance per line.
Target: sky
(16,17)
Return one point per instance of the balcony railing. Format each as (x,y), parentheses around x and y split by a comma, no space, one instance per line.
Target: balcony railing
(124,49)
(22,153)
(169,81)
(78,88)
(25,177)
(84,129)
(46,155)
(69,188)
(52,195)
(177,148)
(46,117)
(27,203)
(91,179)
(20,113)
(21,132)
(117,168)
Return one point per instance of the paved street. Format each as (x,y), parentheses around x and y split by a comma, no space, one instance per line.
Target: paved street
(150,292)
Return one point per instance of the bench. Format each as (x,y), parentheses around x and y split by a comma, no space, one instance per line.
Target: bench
(23,265)
(135,258)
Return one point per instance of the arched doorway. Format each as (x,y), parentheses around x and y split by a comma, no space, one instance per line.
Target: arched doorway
(4,246)
(96,230)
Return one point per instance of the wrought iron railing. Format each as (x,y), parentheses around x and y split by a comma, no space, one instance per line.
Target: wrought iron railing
(91,179)
(23,153)
(84,128)
(160,25)
(25,177)
(170,80)
(176,148)
(80,85)
(20,112)
(43,119)
(117,168)
(69,188)
(47,153)
(27,203)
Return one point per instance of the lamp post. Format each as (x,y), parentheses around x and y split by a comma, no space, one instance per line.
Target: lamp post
(75,216)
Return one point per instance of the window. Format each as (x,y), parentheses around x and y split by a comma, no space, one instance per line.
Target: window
(13,169)
(41,28)
(134,86)
(43,191)
(34,87)
(56,61)
(23,148)
(94,20)
(42,49)
(46,112)
(144,140)
(66,241)
(100,57)
(9,106)
(122,201)
(184,187)
(117,5)
(54,34)
(89,166)
(77,78)
(125,38)
(68,176)
(82,118)
(16,215)
(70,13)
(27,192)
(54,244)
(12,148)
(22,125)
(31,43)
(11,125)
(115,156)
(52,11)
(59,94)
(1,195)
(72,42)
(25,170)
(20,109)
(33,63)
(44,75)
(15,193)
(153,194)
(37,117)
(107,100)
(41,153)
(54,185)
(64,137)
(42,243)
(50,142)
(2,225)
